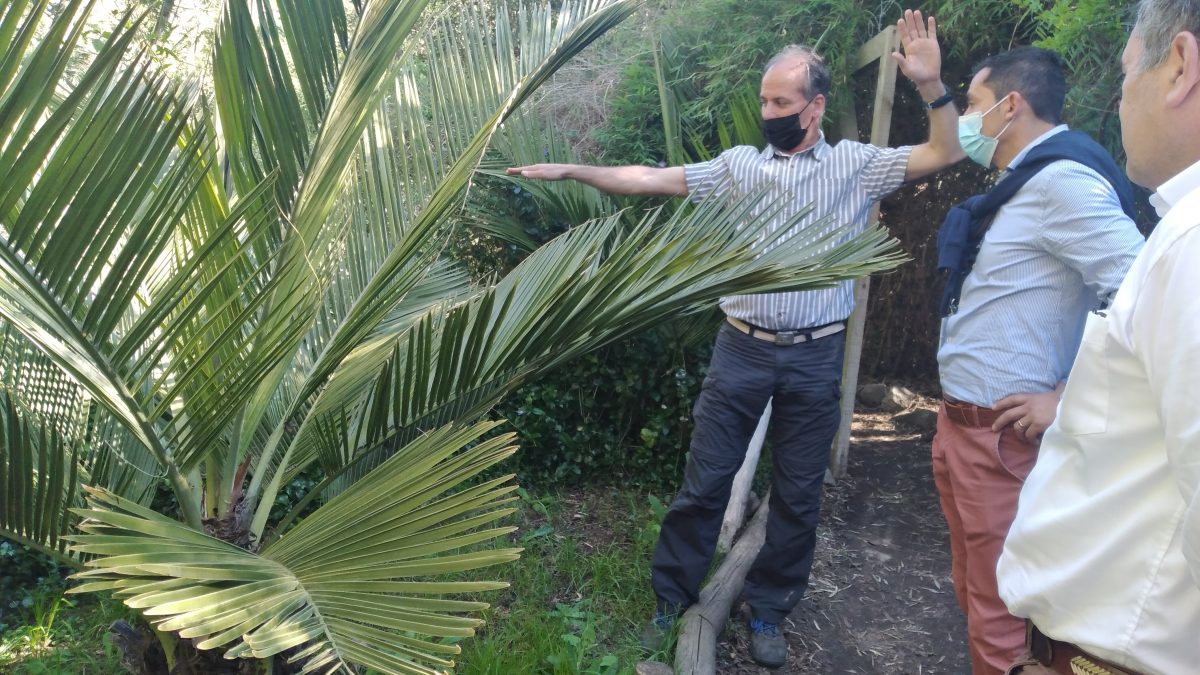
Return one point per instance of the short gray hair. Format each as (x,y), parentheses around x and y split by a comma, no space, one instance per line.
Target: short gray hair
(1159,21)
(818,80)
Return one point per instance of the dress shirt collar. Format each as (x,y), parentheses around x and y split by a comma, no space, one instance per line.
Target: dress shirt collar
(1025,151)
(1170,192)
(819,150)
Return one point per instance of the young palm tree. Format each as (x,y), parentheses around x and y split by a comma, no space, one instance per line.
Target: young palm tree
(218,291)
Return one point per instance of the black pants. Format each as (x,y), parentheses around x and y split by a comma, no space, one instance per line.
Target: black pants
(804,380)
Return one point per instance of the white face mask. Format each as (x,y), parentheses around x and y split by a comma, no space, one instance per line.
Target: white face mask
(978,147)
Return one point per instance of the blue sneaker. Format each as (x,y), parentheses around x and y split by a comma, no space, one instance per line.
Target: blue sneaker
(768,647)
(657,630)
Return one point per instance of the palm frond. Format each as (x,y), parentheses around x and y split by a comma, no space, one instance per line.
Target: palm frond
(308,256)
(353,586)
(38,478)
(669,101)
(48,399)
(589,287)
(97,178)
(469,112)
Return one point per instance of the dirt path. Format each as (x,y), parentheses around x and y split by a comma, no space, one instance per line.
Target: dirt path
(880,599)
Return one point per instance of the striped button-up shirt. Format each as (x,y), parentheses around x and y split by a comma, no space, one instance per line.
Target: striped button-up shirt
(1056,250)
(841,182)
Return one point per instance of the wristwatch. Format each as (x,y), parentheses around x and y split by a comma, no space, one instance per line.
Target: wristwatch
(941,100)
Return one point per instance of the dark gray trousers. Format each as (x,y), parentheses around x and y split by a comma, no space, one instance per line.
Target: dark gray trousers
(805,381)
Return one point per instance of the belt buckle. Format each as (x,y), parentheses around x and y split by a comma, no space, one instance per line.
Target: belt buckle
(786,338)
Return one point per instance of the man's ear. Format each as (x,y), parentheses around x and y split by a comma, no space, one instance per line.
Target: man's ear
(818,106)
(1183,64)
(1013,103)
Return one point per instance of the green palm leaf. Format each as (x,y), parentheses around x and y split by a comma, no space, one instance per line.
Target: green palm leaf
(44,396)
(353,585)
(588,288)
(471,113)
(38,478)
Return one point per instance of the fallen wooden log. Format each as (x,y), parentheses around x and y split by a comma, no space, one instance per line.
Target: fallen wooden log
(735,512)
(696,651)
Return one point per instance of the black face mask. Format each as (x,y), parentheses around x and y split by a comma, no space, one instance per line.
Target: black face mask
(785,132)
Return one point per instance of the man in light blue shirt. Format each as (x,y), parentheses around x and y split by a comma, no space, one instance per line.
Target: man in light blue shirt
(1055,250)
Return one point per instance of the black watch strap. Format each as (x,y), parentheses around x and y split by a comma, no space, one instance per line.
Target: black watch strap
(941,100)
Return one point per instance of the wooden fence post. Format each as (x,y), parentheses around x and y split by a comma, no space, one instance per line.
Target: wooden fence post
(878,49)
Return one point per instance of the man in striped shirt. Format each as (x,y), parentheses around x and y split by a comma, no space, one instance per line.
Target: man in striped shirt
(785,347)
(1057,248)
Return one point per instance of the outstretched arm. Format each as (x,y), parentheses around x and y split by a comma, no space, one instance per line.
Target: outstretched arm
(621,180)
(921,62)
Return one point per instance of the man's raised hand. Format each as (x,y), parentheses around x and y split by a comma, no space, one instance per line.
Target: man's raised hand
(921,61)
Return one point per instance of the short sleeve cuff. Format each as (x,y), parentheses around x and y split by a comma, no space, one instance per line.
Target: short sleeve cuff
(703,178)
(886,172)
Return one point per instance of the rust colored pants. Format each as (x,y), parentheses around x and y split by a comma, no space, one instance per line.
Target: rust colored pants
(979,474)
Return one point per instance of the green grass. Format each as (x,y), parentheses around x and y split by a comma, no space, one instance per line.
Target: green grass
(580,592)
(66,635)
(579,596)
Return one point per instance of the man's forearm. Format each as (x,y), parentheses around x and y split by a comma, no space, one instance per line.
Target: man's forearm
(942,149)
(943,123)
(631,180)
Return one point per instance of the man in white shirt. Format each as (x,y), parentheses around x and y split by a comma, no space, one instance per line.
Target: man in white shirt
(1104,554)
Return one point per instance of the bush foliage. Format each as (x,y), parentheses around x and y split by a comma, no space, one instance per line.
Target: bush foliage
(620,414)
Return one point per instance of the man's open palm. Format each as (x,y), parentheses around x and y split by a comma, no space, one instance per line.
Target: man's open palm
(921,61)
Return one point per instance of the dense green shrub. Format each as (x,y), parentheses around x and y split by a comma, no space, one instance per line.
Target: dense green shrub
(1090,35)
(634,131)
(622,414)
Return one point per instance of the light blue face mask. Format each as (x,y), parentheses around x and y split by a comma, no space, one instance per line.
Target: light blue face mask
(978,147)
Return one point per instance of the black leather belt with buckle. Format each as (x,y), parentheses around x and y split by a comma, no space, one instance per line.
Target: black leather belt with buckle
(786,338)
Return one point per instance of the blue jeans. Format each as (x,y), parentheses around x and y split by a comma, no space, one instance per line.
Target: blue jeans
(805,381)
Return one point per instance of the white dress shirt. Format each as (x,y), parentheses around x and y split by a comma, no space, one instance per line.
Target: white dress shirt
(1105,548)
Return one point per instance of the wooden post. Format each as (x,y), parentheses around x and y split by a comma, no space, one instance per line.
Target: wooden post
(877,49)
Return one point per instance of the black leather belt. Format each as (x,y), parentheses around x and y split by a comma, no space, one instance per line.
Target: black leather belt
(786,338)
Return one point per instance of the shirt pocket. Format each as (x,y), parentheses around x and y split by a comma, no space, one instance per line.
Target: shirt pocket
(1086,400)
